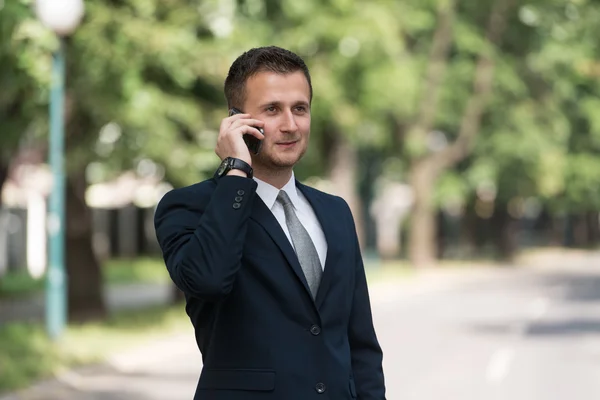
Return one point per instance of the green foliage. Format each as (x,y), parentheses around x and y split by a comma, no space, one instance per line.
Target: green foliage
(20,98)
(539,137)
(451,189)
(145,83)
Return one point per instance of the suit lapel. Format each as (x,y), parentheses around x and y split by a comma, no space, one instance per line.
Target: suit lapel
(327,219)
(263,216)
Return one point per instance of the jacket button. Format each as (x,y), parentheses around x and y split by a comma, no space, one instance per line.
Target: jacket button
(236,205)
(239,199)
(240,192)
(320,388)
(315,330)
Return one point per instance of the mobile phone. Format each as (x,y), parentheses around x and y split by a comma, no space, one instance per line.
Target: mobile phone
(254,144)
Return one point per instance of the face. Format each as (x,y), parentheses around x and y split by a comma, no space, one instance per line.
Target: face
(282,102)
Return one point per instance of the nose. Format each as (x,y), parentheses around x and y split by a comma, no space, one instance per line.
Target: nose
(289,122)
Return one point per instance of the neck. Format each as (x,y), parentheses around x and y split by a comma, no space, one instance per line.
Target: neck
(277,178)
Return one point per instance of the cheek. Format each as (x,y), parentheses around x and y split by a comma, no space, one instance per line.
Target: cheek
(304,125)
(269,130)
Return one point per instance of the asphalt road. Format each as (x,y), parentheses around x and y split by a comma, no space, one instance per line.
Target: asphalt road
(523,335)
(497,335)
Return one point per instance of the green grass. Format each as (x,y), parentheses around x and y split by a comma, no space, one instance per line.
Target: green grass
(116,271)
(136,270)
(28,355)
(15,284)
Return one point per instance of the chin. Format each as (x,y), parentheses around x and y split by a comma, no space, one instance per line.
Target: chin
(280,161)
(284,163)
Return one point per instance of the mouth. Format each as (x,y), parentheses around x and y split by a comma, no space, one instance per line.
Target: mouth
(287,144)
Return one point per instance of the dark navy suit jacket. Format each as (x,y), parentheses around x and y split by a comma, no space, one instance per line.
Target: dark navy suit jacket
(261,334)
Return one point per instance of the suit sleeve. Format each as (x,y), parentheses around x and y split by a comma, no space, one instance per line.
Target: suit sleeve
(202,235)
(366,353)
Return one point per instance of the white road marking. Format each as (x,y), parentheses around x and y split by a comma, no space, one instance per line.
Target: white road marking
(501,360)
(499,365)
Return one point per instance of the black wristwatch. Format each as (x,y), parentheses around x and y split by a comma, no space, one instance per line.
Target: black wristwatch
(230,163)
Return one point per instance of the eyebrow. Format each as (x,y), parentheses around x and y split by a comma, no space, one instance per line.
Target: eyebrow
(279,104)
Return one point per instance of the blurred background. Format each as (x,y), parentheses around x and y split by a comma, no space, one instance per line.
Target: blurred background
(465,135)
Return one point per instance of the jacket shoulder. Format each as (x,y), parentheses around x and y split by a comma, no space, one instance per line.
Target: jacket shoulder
(196,194)
(325,197)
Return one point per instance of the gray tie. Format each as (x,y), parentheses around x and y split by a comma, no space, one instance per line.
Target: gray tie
(304,246)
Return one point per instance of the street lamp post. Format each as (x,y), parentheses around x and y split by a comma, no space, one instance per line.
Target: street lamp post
(62,17)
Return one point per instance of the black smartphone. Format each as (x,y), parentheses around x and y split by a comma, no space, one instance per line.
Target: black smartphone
(254,144)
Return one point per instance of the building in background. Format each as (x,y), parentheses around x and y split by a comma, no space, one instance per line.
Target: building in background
(122,212)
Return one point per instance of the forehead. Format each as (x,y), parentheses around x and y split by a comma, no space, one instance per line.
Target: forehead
(273,86)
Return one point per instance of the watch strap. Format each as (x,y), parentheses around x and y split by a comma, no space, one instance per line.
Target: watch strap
(230,163)
(236,163)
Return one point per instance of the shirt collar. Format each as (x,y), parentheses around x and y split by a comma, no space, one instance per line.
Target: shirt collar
(268,193)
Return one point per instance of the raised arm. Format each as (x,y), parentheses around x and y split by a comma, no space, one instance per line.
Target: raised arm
(201,231)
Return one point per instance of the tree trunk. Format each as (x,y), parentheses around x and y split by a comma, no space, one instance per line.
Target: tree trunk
(438,62)
(343,173)
(557,230)
(593,229)
(421,246)
(580,230)
(469,231)
(85,285)
(442,235)
(3,221)
(426,168)
(504,232)
(3,176)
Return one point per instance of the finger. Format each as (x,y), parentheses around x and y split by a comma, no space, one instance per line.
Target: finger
(245,129)
(227,121)
(247,121)
(236,117)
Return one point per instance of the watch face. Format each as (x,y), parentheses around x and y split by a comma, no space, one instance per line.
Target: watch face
(222,167)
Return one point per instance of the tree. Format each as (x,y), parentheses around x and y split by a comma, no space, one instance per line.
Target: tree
(19,101)
(426,168)
(119,81)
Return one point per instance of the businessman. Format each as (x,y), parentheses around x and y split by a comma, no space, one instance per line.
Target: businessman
(271,269)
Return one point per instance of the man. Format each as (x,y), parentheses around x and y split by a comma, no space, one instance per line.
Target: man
(271,269)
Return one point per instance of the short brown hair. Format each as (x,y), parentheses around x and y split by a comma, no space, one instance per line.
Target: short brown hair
(271,58)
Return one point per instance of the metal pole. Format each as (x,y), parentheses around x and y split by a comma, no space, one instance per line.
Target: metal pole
(56,284)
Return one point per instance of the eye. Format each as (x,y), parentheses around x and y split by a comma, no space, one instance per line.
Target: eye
(270,109)
(301,109)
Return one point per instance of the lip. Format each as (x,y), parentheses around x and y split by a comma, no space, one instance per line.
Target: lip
(287,144)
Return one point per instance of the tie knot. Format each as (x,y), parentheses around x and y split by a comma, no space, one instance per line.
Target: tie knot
(283,198)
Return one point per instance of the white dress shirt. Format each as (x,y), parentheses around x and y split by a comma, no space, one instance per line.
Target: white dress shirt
(268,193)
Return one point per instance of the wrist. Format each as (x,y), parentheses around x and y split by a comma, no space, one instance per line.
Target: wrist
(237,172)
(234,166)
(246,159)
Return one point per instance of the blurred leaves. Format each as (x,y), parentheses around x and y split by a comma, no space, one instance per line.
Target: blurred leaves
(154,71)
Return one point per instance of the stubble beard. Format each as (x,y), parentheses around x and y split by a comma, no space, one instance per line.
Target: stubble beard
(264,162)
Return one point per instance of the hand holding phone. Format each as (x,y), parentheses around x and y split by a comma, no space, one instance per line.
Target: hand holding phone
(254,144)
